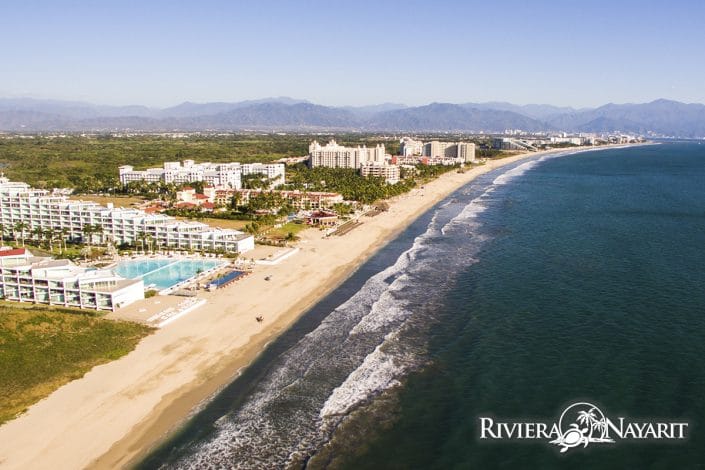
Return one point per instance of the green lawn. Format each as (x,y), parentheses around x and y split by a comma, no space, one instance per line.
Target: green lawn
(282,231)
(42,348)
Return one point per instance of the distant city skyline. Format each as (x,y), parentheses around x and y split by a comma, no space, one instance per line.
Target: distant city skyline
(336,53)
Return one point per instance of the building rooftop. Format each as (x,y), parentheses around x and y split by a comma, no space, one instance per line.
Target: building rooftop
(7,251)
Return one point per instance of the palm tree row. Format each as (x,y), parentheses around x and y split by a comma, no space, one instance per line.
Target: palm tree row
(20,231)
(92,229)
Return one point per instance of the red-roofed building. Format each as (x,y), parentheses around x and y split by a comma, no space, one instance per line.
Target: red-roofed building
(185,205)
(14,256)
(8,251)
(322,218)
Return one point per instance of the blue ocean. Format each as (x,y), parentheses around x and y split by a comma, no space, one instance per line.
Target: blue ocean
(574,277)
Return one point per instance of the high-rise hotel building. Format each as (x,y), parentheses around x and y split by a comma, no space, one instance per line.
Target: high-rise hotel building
(333,155)
(463,152)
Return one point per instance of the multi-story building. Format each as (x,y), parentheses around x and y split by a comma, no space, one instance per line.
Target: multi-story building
(463,152)
(466,152)
(390,173)
(30,209)
(26,278)
(296,199)
(510,143)
(333,155)
(216,174)
(409,147)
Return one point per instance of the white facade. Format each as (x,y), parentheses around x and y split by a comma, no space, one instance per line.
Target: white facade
(463,152)
(390,173)
(333,155)
(26,278)
(466,152)
(19,203)
(227,175)
(409,147)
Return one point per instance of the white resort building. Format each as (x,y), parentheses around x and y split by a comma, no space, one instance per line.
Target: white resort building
(226,175)
(333,155)
(461,152)
(28,278)
(414,152)
(390,173)
(24,209)
(409,147)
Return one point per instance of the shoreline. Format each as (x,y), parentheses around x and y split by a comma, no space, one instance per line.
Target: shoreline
(120,411)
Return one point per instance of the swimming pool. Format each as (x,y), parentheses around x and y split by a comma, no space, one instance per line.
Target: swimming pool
(164,273)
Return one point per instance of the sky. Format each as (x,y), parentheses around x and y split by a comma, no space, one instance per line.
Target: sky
(331,52)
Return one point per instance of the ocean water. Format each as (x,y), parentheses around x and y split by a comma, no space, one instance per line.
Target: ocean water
(569,278)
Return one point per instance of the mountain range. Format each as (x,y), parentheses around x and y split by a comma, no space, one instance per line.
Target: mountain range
(660,117)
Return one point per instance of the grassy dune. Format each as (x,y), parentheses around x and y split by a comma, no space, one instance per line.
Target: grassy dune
(42,348)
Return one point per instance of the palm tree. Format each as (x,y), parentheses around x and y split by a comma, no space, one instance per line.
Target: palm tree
(88,231)
(235,201)
(20,227)
(38,234)
(64,235)
(587,417)
(97,228)
(141,237)
(2,235)
(50,235)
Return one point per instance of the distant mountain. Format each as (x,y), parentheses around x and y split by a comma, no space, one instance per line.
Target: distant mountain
(275,116)
(452,117)
(536,111)
(662,117)
(72,109)
(365,112)
(188,109)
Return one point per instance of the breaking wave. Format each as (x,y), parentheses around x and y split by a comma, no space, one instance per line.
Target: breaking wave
(365,346)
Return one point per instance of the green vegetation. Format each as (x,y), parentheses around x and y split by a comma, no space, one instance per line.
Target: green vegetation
(42,348)
(90,164)
(344,181)
(489,153)
(72,251)
(288,231)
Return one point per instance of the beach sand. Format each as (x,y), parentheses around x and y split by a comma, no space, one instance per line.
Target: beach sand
(118,411)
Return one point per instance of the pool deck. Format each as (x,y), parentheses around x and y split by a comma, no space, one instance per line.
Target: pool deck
(162,309)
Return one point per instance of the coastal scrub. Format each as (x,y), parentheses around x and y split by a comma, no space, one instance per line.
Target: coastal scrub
(42,348)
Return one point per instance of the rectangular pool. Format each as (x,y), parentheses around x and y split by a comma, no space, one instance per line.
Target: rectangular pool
(164,273)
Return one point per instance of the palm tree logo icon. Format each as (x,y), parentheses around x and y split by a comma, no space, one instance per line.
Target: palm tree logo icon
(587,425)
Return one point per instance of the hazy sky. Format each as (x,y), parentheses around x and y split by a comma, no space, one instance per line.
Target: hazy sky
(160,53)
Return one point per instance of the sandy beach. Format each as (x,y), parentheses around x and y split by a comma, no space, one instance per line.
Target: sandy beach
(118,411)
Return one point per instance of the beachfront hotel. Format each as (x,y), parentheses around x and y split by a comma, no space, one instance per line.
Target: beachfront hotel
(39,209)
(296,199)
(413,151)
(28,278)
(226,175)
(333,155)
(409,147)
(461,152)
(390,173)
